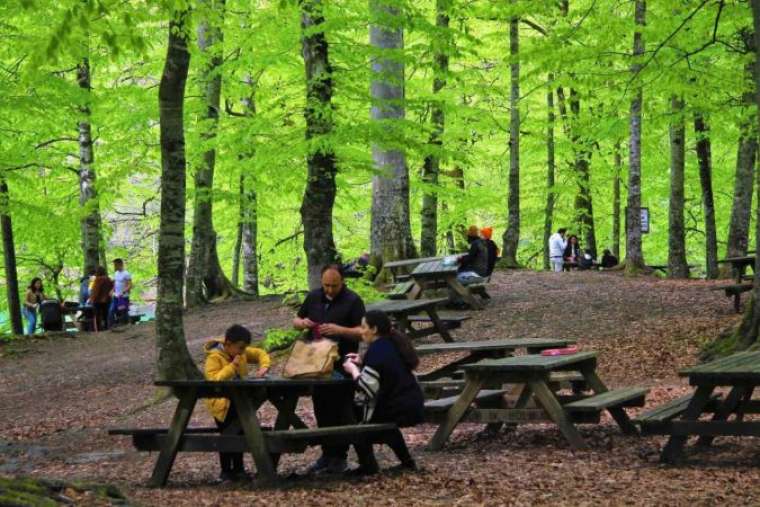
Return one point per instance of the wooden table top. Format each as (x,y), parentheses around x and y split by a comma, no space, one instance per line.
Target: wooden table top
(254,383)
(404,305)
(742,366)
(505,344)
(434,268)
(410,262)
(530,363)
(747,259)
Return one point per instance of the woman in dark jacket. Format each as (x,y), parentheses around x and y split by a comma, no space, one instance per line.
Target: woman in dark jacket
(100,298)
(572,250)
(388,391)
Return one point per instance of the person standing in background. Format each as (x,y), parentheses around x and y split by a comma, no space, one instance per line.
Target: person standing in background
(100,298)
(122,284)
(557,246)
(35,295)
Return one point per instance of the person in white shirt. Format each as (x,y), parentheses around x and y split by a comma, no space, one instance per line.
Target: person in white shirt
(557,245)
(122,284)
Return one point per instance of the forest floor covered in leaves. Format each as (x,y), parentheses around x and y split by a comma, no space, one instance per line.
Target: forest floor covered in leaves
(58,396)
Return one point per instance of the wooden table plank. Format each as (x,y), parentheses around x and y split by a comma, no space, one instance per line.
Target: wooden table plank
(410,262)
(740,367)
(406,306)
(532,363)
(485,345)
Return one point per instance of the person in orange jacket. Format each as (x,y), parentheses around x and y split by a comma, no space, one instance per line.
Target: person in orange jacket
(228,359)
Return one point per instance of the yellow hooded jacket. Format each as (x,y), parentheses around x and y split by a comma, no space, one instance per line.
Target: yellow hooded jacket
(219,367)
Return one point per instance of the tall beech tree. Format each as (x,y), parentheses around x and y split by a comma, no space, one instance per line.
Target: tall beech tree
(704,157)
(677,265)
(205,278)
(511,237)
(174,360)
(319,196)
(634,255)
(9,257)
(550,173)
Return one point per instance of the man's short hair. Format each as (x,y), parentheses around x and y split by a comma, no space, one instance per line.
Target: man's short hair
(562,230)
(237,334)
(118,260)
(333,267)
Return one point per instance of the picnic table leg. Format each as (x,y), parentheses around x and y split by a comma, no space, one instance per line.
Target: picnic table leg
(438,325)
(673,450)
(253,435)
(463,292)
(551,405)
(456,412)
(286,417)
(617,413)
(165,461)
(734,400)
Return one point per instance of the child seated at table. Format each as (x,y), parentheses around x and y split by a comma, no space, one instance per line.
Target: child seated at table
(387,389)
(228,359)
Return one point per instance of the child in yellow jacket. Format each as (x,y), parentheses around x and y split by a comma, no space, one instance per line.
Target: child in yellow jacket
(228,359)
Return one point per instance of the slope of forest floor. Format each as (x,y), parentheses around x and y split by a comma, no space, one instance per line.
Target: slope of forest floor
(58,397)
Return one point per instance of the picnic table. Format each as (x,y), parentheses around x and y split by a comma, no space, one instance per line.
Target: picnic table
(739,267)
(399,269)
(401,310)
(663,268)
(436,273)
(534,373)
(680,418)
(263,443)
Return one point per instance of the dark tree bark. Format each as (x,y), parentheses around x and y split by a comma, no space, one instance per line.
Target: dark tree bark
(88,198)
(319,197)
(391,235)
(704,157)
(634,256)
(616,202)
(205,278)
(677,265)
(511,237)
(238,238)
(550,170)
(431,167)
(9,257)
(250,237)
(174,360)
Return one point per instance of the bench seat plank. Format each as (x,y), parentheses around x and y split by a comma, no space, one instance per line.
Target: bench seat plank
(444,404)
(629,396)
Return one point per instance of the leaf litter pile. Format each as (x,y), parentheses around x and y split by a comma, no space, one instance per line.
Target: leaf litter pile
(58,396)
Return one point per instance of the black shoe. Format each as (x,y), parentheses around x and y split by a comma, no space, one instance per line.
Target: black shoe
(362,472)
(241,476)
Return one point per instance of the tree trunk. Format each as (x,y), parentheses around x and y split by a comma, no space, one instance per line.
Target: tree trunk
(584,209)
(174,360)
(704,157)
(88,199)
(431,167)
(512,233)
(616,202)
(319,196)
(550,170)
(248,210)
(677,265)
(238,237)
(9,256)
(391,235)
(634,256)
(205,278)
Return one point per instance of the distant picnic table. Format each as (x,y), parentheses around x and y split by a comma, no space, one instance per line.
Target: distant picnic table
(403,311)
(395,267)
(265,444)
(479,402)
(680,418)
(739,267)
(663,268)
(437,274)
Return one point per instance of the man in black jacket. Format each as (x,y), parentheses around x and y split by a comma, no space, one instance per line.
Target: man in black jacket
(334,312)
(473,266)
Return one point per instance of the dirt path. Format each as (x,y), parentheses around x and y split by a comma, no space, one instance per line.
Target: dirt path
(58,396)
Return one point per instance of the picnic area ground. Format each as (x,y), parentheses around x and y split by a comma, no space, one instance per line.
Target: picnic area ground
(58,397)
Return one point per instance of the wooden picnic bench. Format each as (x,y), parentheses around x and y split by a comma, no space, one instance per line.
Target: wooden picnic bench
(534,373)
(739,267)
(663,268)
(680,418)
(402,311)
(289,434)
(436,274)
(400,267)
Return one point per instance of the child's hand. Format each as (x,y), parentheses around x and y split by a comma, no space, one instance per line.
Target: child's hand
(236,360)
(354,358)
(261,372)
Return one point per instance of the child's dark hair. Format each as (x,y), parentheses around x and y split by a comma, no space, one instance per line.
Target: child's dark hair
(237,333)
(379,320)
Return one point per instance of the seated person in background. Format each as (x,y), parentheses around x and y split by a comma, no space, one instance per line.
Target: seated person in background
(609,260)
(228,359)
(356,268)
(387,390)
(473,266)
(493,250)
(84,287)
(572,250)
(587,260)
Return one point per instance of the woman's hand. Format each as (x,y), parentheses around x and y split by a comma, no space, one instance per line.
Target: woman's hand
(351,368)
(354,358)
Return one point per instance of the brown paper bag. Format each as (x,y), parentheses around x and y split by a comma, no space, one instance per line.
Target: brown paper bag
(314,359)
